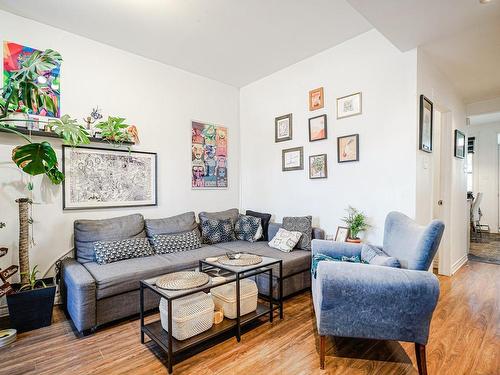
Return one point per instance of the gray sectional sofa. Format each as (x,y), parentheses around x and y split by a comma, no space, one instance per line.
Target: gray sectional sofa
(96,294)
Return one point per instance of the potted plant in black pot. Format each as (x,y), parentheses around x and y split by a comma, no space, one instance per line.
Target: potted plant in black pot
(356,222)
(31,301)
(31,304)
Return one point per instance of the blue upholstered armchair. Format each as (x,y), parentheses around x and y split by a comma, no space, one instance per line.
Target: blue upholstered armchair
(379,302)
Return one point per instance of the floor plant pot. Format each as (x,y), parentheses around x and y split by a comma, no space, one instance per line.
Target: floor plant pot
(353,240)
(32,309)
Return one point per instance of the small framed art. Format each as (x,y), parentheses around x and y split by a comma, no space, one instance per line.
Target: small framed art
(316,99)
(341,235)
(317,128)
(459,144)
(318,166)
(292,159)
(425,124)
(348,148)
(283,128)
(350,105)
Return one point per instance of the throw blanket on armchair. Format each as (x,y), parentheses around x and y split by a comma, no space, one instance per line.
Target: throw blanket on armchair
(322,257)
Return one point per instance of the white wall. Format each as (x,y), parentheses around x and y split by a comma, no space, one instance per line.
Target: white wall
(485,171)
(159,99)
(383,179)
(434,85)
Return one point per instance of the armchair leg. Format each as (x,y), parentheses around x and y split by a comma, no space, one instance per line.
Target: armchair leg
(421,360)
(322,348)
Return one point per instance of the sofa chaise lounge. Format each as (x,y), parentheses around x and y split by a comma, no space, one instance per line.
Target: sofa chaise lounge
(95,294)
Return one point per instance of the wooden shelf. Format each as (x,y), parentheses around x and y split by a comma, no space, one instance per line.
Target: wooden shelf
(42,133)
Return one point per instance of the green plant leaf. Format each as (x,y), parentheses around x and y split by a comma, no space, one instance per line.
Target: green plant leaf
(55,175)
(35,158)
(71,132)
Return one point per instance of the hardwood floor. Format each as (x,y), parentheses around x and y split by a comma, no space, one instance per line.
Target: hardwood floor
(465,339)
(486,248)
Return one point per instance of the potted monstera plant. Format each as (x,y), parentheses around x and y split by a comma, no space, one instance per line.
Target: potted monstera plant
(356,222)
(31,301)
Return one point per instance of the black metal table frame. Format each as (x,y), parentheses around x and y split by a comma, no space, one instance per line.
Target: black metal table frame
(238,275)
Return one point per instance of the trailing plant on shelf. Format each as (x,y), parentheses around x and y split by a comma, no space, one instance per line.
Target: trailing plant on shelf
(356,222)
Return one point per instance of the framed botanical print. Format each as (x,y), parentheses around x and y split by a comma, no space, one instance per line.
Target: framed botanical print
(318,166)
(425,124)
(459,144)
(292,159)
(350,105)
(317,128)
(342,234)
(316,99)
(348,148)
(283,128)
(104,178)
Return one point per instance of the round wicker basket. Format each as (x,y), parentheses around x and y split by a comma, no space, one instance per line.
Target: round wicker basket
(243,260)
(182,280)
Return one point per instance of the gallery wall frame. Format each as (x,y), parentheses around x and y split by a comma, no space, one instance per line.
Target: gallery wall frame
(283,128)
(292,159)
(348,148)
(318,130)
(426,123)
(95,178)
(318,166)
(459,149)
(316,99)
(350,105)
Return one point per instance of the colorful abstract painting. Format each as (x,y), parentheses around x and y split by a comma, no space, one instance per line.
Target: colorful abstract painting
(13,56)
(209,156)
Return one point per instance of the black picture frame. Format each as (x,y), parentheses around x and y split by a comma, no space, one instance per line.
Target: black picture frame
(459,151)
(343,239)
(293,149)
(425,103)
(288,116)
(325,157)
(356,137)
(155,158)
(325,127)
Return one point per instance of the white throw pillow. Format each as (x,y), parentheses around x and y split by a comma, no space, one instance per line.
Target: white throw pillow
(285,240)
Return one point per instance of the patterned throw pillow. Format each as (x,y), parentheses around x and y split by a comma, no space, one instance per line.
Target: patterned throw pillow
(173,243)
(373,255)
(248,228)
(303,225)
(113,251)
(216,231)
(285,240)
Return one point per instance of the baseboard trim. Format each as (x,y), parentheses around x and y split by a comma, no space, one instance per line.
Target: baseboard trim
(458,264)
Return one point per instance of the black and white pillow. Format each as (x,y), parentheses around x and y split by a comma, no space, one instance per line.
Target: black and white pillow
(302,224)
(113,251)
(215,231)
(248,228)
(173,243)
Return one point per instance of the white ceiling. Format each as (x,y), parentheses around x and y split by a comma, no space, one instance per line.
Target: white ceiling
(462,37)
(487,118)
(236,42)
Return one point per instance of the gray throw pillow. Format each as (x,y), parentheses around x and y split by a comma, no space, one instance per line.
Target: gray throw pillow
(173,243)
(376,256)
(300,224)
(182,223)
(113,251)
(232,214)
(215,231)
(248,228)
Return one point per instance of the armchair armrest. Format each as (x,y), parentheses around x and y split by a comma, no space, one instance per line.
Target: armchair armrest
(367,301)
(335,249)
(79,294)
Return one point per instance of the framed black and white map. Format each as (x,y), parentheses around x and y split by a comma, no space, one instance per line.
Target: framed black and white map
(103,178)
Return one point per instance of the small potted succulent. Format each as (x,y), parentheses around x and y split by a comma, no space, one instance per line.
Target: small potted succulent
(356,222)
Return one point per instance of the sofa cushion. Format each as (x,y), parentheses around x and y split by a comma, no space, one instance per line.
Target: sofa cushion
(285,240)
(172,243)
(87,232)
(124,276)
(215,231)
(265,219)
(232,214)
(248,228)
(113,251)
(293,262)
(303,225)
(182,223)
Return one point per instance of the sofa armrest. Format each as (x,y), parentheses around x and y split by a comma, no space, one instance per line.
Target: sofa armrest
(335,249)
(376,302)
(79,294)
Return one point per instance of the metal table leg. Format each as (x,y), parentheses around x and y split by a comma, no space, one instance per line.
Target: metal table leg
(281,290)
(271,312)
(238,317)
(170,341)
(142,311)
